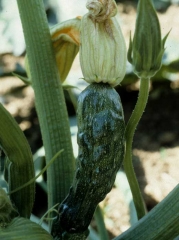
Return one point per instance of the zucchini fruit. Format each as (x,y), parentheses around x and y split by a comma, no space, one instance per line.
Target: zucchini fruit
(101,150)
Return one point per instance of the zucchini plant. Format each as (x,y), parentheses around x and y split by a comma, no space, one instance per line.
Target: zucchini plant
(100,119)
(100,131)
(104,141)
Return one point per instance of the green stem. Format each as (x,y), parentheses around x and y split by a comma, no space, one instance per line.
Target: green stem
(49,99)
(100,224)
(129,134)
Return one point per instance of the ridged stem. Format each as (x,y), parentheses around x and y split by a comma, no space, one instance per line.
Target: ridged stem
(129,134)
(49,99)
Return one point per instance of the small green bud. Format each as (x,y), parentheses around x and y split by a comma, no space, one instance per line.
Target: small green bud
(146,50)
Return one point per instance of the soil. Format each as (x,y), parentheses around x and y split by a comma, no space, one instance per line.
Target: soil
(156,141)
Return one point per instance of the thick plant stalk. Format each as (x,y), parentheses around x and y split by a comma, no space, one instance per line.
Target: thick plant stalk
(49,98)
(162,222)
(129,134)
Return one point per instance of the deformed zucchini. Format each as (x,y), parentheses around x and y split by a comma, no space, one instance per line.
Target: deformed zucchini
(101,151)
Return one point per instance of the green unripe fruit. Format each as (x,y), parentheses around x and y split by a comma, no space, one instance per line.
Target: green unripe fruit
(101,151)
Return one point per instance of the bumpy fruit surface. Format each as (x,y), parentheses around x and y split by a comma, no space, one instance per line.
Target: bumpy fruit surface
(101,150)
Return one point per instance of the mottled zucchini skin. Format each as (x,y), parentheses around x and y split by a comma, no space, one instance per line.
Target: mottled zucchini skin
(101,151)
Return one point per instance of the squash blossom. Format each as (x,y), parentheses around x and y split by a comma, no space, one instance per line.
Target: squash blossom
(65,41)
(102,45)
(146,50)
(98,37)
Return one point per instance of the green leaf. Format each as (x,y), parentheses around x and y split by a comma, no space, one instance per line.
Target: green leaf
(24,79)
(20,228)
(161,223)
(20,166)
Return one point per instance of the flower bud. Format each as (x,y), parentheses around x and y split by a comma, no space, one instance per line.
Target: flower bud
(147,48)
(102,48)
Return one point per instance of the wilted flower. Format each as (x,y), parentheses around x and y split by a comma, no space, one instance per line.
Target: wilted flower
(102,45)
(65,39)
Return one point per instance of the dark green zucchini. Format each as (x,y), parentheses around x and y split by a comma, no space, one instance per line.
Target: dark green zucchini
(101,151)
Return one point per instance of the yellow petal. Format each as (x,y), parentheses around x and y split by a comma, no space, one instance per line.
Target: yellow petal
(65,39)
